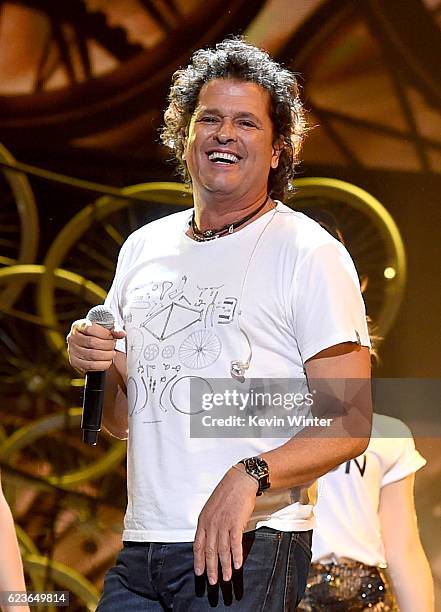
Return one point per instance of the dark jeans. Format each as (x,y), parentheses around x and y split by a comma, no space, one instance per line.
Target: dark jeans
(152,577)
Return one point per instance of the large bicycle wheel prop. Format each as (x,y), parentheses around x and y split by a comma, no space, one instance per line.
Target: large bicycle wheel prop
(370,235)
(37,378)
(44,574)
(31,371)
(85,504)
(67,497)
(70,517)
(372,83)
(19,231)
(83,65)
(48,575)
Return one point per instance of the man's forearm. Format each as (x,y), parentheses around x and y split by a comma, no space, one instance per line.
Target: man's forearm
(339,378)
(311,454)
(115,415)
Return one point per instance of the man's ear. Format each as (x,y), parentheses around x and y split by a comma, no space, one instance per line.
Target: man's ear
(278,147)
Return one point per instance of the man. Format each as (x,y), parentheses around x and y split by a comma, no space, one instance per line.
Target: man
(242,287)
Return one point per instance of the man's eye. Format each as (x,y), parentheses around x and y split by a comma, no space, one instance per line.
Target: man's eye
(207,119)
(247,123)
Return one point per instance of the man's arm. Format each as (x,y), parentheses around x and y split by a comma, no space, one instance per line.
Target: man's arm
(316,450)
(407,563)
(115,408)
(301,460)
(92,347)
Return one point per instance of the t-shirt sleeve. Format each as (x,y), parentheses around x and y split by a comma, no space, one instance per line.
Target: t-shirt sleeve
(113,299)
(328,308)
(406,459)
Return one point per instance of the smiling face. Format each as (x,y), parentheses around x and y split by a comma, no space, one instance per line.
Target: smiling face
(229,148)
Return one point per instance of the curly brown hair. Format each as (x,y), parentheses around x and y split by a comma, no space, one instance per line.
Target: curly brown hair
(233,58)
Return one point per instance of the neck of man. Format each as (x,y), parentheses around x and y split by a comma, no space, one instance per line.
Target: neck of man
(216,210)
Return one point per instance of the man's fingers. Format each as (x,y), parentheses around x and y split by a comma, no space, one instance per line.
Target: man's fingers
(92,343)
(211,555)
(199,551)
(210,548)
(224,552)
(85,365)
(80,326)
(83,326)
(236,547)
(118,334)
(88,354)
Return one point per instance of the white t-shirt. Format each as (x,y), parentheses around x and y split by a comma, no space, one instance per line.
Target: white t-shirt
(179,301)
(349,496)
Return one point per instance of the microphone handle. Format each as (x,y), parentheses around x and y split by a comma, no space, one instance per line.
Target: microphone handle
(93,406)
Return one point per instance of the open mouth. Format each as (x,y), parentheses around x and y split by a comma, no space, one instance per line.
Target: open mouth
(219,157)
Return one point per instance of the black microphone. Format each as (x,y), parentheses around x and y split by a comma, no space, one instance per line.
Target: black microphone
(94,385)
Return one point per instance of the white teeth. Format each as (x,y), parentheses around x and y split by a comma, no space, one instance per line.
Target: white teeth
(223,157)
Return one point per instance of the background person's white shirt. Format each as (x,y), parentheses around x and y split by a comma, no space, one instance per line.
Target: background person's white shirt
(347,509)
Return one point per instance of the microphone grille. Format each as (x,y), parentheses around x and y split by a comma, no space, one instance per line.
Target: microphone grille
(101,315)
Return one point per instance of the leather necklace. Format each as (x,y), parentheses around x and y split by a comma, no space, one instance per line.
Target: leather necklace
(212,234)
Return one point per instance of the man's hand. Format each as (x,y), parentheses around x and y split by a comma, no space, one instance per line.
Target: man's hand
(221,524)
(91,346)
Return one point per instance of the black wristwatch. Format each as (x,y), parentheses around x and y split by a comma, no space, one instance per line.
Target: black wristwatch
(259,470)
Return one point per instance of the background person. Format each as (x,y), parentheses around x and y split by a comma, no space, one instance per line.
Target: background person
(366,521)
(11,568)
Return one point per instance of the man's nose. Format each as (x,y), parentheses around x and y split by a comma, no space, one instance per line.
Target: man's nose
(226,132)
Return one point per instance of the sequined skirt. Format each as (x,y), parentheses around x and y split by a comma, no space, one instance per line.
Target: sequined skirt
(349,586)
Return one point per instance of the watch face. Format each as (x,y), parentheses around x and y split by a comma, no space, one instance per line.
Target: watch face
(257,466)
(258,469)
(262,465)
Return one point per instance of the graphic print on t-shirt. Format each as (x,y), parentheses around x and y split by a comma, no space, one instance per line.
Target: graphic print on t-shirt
(360,462)
(200,349)
(171,320)
(174,331)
